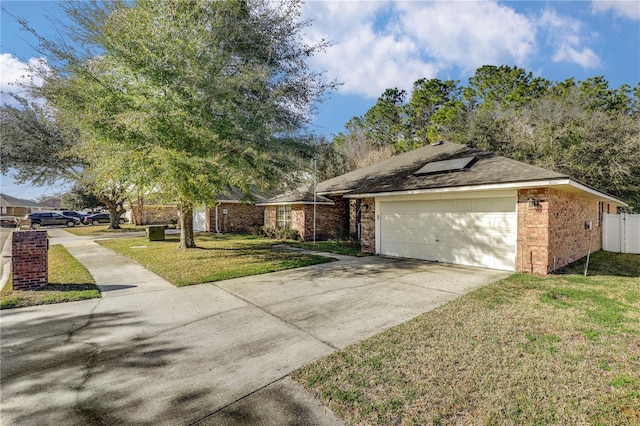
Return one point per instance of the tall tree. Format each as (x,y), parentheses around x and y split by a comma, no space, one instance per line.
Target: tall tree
(504,86)
(385,121)
(202,95)
(433,103)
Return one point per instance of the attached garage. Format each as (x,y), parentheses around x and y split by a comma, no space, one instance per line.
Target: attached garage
(455,204)
(478,231)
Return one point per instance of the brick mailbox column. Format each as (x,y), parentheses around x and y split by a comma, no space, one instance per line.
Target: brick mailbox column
(29,260)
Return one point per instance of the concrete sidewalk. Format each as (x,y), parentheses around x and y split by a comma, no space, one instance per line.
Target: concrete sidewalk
(150,353)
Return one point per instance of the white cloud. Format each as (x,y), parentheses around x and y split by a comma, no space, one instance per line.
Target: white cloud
(378,45)
(565,35)
(625,8)
(470,34)
(15,74)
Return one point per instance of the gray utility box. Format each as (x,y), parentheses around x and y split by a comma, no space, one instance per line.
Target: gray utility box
(155,233)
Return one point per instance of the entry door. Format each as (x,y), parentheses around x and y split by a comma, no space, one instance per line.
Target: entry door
(475,232)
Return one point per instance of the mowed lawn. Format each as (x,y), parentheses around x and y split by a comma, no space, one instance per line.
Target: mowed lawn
(82,230)
(562,349)
(69,281)
(218,257)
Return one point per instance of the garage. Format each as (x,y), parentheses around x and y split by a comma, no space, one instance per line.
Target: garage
(468,231)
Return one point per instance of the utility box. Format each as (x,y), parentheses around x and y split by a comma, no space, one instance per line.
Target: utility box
(155,233)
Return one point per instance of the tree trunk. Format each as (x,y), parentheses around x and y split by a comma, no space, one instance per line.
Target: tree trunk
(186,227)
(115,211)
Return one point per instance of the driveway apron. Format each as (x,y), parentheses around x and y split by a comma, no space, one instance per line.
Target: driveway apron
(151,353)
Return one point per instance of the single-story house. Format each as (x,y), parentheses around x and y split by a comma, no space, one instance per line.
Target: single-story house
(234,213)
(314,217)
(13,206)
(451,203)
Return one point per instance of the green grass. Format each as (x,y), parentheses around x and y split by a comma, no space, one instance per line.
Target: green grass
(338,247)
(68,281)
(562,349)
(218,257)
(82,230)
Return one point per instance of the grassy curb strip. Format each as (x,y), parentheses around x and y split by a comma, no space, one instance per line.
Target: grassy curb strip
(103,229)
(562,349)
(218,257)
(69,281)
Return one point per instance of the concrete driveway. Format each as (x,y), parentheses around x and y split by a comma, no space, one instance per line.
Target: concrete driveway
(207,354)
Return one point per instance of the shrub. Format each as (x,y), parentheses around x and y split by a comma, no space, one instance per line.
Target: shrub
(280,233)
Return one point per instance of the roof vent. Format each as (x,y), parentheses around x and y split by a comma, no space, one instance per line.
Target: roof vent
(447,166)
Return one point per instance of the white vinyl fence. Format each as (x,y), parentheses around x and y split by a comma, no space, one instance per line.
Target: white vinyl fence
(621,233)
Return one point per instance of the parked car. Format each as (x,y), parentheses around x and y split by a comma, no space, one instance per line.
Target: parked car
(98,218)
(72,213)
(50,218)
(9,221)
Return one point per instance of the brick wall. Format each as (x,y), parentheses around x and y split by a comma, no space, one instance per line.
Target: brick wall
(29,261)
(153,215)
(270,216)
(354,217)
(368,225)
(568,238)
(240,217)
(555,228)
(332,221)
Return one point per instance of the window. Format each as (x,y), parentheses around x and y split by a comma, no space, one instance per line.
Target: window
(283,218)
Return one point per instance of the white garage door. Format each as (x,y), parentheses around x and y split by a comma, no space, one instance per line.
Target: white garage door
(475,232)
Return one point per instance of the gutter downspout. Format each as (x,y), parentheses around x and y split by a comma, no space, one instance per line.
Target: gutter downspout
(217,228)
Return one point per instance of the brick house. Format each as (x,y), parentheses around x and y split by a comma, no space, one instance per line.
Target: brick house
(321,217)
(13,206)
(235,213)
(451,203)
(232,213)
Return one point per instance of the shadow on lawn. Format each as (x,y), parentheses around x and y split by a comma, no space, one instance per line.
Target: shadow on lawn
(604,263)
(69,369)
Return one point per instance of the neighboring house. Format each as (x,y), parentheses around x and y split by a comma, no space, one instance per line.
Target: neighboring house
(235,213)
(151,213)
(455,204)
(12,206)
(295,210)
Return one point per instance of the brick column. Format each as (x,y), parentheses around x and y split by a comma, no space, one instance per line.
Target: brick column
(29,260)
(368,225)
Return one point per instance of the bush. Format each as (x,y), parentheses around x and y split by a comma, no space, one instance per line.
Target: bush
(279,233)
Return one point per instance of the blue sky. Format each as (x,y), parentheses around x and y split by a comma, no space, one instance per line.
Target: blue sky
(381,44)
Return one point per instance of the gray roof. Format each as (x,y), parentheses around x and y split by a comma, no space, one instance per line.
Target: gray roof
(398,172)
(235,195)
(9,201)
(300,195)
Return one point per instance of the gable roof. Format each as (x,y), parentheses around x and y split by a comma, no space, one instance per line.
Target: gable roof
(398,174)
(301,195)
(9,201)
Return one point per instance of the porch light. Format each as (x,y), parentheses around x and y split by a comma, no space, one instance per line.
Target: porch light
(533,203)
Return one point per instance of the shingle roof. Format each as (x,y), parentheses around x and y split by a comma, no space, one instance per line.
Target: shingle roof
(397,173)
(235,195)
(9,201)
(300,195)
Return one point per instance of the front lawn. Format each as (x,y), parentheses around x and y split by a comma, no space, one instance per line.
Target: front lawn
(562,349)
(218,257)
(68,281)
(82,230)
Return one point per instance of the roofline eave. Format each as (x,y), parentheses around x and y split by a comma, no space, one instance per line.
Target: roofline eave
(495,186)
